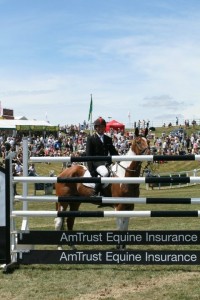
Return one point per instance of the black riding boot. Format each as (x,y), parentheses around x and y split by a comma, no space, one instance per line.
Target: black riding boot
(98,188)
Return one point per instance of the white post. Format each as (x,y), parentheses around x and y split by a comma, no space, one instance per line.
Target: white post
(25,184)
(25,225)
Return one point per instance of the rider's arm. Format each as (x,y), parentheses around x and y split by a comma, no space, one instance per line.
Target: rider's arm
(90,152)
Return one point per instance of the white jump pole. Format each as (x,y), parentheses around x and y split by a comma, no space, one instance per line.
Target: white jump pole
(90,179)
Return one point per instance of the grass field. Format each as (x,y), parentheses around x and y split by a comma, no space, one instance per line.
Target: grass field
(81,282)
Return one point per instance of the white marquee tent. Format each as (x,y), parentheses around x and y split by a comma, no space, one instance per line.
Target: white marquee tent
(26,125)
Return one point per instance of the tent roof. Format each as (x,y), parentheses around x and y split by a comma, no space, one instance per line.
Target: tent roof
(25,124)
(21,118)
(114,123)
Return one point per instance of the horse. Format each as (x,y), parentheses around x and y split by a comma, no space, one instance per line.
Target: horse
(138,146)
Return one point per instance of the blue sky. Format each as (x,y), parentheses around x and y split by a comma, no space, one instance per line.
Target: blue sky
(137,56)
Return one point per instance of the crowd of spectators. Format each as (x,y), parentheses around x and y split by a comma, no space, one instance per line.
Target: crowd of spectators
(74,144)
(178,144)
(56,145)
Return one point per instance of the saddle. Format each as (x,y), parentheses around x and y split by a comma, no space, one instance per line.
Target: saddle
(100,185)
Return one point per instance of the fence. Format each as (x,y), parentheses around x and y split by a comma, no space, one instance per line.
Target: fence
(170,185)
(22,242)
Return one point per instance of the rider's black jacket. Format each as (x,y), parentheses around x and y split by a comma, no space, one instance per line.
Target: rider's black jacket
(95,147)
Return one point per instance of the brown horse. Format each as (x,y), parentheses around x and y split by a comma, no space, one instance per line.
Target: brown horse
(139,146)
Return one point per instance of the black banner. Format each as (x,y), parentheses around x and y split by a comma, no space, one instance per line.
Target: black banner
(110,257)
(3,247)
(157,237)
(4,216)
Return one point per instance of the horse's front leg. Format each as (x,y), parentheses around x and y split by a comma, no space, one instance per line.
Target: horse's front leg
(122,224)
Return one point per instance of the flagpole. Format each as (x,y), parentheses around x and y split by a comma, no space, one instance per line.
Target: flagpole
(91,118)
(90,114)
(129,118)
(91,125)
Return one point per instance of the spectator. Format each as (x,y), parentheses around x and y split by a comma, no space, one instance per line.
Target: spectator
(18,169)
(32,170)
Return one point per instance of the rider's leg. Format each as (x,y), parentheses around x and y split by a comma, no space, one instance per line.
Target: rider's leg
(103,172)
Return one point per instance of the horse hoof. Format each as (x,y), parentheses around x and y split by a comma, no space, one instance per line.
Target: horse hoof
(121,247)
(73,247)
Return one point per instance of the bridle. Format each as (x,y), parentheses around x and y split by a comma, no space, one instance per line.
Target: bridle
(142,152)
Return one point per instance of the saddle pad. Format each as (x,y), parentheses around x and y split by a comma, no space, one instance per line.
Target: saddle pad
(91,185)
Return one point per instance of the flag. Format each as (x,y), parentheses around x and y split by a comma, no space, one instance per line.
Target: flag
(90,110)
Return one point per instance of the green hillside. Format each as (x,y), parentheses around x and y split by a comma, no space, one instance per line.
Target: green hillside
(175,166)
(159,130)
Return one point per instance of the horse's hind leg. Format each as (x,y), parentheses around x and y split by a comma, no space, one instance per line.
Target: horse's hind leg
(71,220)
(59,221)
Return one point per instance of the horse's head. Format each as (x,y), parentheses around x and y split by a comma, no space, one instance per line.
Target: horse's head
(140,144)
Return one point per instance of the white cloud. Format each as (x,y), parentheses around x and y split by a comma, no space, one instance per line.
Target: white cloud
(144,59)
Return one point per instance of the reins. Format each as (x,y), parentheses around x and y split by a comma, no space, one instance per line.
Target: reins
(127,169)
(138,165)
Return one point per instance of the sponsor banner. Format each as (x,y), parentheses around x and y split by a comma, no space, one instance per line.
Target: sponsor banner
(136,257)
(3,233)
(158,237)
(2,244)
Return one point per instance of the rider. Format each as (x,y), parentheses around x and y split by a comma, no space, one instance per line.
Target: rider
(99,144)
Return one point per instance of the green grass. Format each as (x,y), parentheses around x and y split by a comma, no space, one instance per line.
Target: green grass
(110,281)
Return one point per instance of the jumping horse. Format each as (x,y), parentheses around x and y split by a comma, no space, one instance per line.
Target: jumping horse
(139,146)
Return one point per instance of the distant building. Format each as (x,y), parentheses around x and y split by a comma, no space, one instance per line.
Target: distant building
(8,114)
